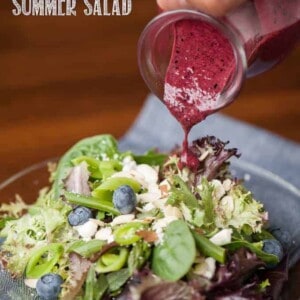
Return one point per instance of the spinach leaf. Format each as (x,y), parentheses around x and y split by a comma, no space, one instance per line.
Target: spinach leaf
(86,249)
(97,146)
(174,257)
(151,158)
(117,279)
(255,248)
(95,289)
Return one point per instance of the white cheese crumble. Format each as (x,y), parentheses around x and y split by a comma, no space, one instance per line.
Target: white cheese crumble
(148,207)
(149,173)
(172,211)
(219,190)
(31,283)
(123,219)
(222,238)
(227,203)
(227,184)
(87,230)
(105,234)
(129,164)
(206,267)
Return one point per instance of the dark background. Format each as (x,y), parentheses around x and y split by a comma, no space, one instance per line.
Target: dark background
(64,78)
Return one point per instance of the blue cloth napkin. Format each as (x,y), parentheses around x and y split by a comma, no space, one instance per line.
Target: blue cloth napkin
(155,127)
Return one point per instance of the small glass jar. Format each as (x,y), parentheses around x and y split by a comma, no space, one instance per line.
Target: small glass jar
(261,33)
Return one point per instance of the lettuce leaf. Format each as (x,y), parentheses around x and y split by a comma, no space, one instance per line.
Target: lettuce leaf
(245,213)
(45,223)
(207,202)
(214,157)
(180,192)
(152,158)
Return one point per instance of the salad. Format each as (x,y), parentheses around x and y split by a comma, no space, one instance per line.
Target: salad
(115,225)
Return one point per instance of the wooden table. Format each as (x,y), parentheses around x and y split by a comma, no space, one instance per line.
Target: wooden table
(64,78)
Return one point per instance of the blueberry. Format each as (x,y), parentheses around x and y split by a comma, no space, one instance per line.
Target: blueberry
(48,286)
(79,216)
(273,247)
(124,199)
(283,237)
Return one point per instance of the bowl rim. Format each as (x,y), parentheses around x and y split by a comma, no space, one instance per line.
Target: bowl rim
(234,163)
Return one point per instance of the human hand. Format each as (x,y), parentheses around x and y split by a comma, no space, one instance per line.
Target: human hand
(212,7)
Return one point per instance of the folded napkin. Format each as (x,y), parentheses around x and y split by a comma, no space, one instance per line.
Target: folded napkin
(156,128)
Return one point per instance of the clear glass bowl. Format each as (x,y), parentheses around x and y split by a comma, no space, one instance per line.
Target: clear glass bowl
(281,199)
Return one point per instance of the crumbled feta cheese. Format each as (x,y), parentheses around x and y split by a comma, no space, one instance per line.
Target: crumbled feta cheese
(150,174)
(172,211)
(148,197)
(206,268)
(227,184)
(227,203)
(149,206)
(123,219)
(128,164)
(219,190)
(105,234)
(222,238)
(127,159)
(31,283)
(87,230)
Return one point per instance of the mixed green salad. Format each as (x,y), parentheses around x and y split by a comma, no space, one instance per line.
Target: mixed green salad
(116,225)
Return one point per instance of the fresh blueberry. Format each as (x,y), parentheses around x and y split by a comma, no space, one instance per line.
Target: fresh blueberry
(283,237)
(79,216)
(124,199)
(48,286)
(273,247)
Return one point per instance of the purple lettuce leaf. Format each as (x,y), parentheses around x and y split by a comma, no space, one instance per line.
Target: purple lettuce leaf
(213,155)
(145,286)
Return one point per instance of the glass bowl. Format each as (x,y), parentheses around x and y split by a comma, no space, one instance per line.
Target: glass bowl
(281,199)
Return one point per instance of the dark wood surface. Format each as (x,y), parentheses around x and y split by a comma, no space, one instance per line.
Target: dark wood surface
(64,78)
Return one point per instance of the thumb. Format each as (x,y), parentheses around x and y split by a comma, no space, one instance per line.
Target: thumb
(173,4)
(215,7)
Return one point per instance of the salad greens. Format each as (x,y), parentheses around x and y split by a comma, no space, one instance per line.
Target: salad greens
(175,256)
(191,235)
(97,147)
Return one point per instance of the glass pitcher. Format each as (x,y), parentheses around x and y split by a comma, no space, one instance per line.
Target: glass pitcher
(261,33)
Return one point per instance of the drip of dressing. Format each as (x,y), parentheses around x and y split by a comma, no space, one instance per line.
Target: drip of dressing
(201,65)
